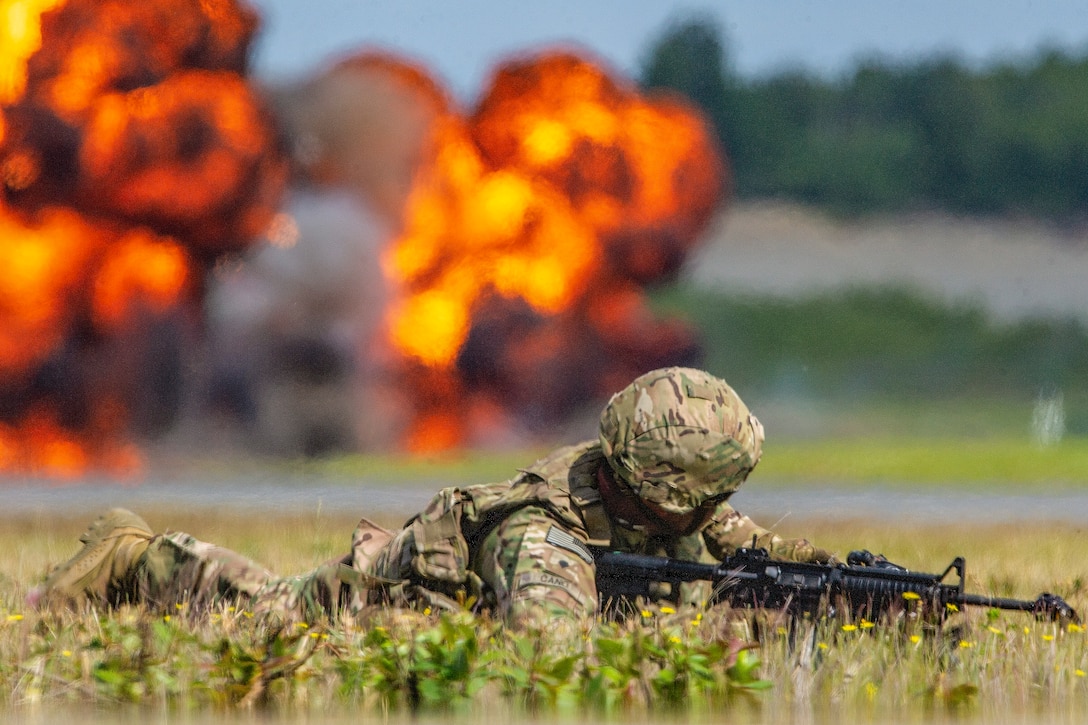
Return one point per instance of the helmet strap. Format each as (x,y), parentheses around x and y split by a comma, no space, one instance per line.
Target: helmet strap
(621,503)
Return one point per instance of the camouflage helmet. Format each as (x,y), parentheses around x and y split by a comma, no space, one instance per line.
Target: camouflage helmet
(678,436)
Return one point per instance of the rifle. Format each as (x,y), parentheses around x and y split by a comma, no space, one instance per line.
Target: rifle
(866,585)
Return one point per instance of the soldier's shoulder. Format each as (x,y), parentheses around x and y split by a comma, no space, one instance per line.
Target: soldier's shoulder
(558,465)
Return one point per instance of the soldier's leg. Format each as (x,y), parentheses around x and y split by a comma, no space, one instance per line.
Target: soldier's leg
(537,570)
(100,572)
(122,561)
(336,587)
(177,569)
(306,597)
(180,567)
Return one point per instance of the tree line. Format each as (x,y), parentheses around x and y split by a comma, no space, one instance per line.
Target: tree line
(1009,139)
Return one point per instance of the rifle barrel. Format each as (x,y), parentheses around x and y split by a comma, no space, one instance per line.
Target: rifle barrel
(979,600)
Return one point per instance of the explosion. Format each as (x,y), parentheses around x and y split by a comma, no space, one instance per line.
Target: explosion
(133,154)
(531,230)
(134,157)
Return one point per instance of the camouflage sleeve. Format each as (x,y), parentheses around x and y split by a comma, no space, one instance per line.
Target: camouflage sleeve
(538,572)
(729,530)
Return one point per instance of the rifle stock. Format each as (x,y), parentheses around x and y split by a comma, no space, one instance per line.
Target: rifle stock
(750,578)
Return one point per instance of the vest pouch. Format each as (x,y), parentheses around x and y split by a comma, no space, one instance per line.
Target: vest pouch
(441,551)
(367,541)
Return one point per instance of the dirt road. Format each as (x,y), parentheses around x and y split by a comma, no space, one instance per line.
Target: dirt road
(377,498)
(1013,270)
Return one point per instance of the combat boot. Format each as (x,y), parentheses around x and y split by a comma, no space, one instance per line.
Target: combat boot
(103,568)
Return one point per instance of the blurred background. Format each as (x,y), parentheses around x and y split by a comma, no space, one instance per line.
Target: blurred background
(314,229)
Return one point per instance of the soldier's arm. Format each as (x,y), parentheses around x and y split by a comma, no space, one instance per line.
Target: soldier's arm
(540,573)
(729,530)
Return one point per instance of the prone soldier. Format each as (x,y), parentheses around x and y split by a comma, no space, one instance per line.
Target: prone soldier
(672,448)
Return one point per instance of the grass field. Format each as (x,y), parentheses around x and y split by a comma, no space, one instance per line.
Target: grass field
(1000,668)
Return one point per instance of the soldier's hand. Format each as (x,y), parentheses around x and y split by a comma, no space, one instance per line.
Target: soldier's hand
(803,550)
(864,557)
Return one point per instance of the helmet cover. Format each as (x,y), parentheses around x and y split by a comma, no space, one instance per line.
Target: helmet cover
(679,436)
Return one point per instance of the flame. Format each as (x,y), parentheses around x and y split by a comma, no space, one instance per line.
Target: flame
(138,270)
(50,267)
(639,172)
(43,267)
(138,162)
(472,231)
(43,445)
(132,154)
(61,274)
(539,217)
(20,37)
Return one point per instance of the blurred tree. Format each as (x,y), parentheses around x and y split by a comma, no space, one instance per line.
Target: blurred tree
(932,134)
(690,57)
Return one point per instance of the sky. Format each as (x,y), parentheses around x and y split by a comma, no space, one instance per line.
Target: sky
(461,41)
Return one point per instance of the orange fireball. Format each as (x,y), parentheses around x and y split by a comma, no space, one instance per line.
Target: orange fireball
(530,229)
(132,153)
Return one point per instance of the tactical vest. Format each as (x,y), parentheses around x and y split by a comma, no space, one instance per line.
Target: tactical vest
(563,483)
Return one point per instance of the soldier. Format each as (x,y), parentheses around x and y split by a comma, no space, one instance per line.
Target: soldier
(672,447)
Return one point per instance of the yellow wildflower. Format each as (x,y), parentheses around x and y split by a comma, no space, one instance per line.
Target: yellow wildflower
(964,644)
(674,639)
(952,607)
(15,617)
(302,625)
(822,645)
(646,613)
(911,596)
(668,610)
(849,627)
(866,624)
(1048,637)
(915,639)
(1074,627)
(1079,673)
(426,611)
(994,629)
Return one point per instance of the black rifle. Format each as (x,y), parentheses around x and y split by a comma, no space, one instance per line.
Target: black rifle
(867,585)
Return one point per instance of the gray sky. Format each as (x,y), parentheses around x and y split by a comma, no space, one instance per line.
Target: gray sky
(461,41)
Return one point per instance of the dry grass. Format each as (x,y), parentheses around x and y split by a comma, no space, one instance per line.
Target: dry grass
(998,669)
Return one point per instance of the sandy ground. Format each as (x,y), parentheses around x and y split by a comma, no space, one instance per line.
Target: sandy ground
(1012,269)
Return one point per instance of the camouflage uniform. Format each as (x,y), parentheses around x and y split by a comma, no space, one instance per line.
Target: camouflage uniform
(520,547)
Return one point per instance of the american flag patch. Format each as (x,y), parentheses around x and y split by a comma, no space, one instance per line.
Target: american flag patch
(557,537)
